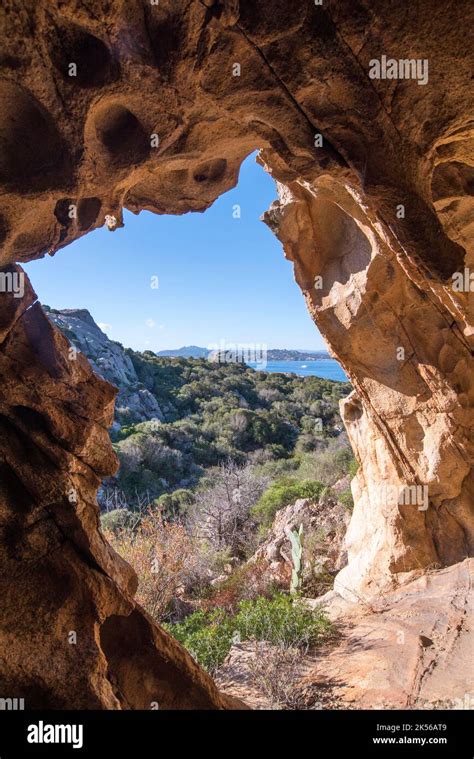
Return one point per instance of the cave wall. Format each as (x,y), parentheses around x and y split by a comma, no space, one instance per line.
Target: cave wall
(410,416)
(132,104)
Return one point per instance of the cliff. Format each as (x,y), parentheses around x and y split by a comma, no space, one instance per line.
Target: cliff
(134,402)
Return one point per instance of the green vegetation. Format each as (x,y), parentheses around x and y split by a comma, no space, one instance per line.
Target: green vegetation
(296,539)
(281,493)
(219,412)
(197,492)
(176,503)
(279,620)
(118,519)
(345,497)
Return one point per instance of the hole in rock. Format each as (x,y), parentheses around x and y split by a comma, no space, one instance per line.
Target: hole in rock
(91,58)
(88,211)
(187,429)
(353,410)
(123,136)
(30,146)
(211,171)
(30,418)
(226,416)
(451,180)
(452,189)
(11,484)
(134,669)
(166,35)
(11,62)
(62,211)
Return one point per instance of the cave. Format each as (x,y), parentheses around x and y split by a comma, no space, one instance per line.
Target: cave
(348,152)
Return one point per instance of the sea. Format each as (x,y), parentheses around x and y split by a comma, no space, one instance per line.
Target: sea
(326,368)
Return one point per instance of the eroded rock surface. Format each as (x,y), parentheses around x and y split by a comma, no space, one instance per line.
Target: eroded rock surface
(144,106)
(71,635)
(410,417)
(410,649)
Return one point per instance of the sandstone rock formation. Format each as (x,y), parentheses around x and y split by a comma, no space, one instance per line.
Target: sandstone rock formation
(144,106)
(410,417)
(409,649)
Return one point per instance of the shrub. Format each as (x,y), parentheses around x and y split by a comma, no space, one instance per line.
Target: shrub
(275,670)
(346,499)
(174,505)
(217,412)
(207,637)
(280,620)
(353,467)
(163,556)
(117,520)
(246,582)
(281,493)
(222,512)
(317,583)
(345,496)
(329,464)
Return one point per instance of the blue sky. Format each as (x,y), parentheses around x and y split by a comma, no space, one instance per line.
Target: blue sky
(220,278)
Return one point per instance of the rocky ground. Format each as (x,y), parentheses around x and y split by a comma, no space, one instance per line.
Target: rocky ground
(324,525)
(410,648)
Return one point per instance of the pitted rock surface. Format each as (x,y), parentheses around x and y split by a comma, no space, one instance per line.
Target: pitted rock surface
(135,105)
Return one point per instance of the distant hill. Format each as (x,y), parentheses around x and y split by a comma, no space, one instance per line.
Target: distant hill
(188,351)
(287,354)
(274,354)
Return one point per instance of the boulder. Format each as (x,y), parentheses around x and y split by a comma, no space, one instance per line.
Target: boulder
(324,527)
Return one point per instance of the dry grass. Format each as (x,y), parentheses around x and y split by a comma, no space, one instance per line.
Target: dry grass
(164,558)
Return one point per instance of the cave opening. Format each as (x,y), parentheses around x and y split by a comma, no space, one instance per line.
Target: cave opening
(152,107)
(114,296)
(116,277)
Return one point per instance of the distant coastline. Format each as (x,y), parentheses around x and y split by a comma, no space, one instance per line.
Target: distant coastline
(272,354)
(327,368)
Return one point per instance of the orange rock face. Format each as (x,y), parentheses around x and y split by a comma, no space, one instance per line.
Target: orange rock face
(154,106)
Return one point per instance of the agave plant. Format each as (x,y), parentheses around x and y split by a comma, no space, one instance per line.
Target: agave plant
(296,539)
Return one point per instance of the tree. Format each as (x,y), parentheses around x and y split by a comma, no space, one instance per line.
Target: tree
(222,512)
